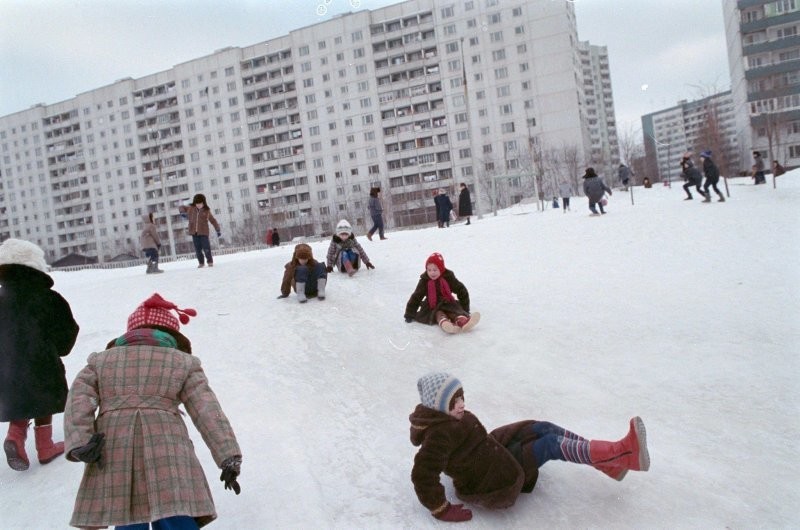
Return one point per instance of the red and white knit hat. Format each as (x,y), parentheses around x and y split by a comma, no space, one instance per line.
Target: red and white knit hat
(437,259)
(155,311)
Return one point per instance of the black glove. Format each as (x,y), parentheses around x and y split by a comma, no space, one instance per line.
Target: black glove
(409,319)
(329,268)
(370,266)
(219,234)
(283,296)
(92,452)
(231,467)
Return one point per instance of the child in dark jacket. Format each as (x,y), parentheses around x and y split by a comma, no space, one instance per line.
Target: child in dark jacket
(432,302)
(492,469)
(345,252)
(307,276)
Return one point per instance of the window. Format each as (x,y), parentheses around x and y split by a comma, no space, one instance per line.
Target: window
(507,127)
(451,47)
(499,55)
(497,36)
(448,12)
(303,50)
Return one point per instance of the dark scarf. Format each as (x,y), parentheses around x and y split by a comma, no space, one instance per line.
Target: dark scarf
(447,294)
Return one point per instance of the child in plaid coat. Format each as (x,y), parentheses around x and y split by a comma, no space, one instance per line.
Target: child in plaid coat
(122,420)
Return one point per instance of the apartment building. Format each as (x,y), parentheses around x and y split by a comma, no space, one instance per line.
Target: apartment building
(292,132)
(763,39)
(705,124)
(602,122)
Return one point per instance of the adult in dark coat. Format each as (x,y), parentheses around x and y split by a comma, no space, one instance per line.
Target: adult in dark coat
(276,238)
(594,188)
(443,207)
(712,176)
(464,202)
(492,469)
(38,329)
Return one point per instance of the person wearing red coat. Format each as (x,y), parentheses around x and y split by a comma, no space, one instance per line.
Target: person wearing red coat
(492,469)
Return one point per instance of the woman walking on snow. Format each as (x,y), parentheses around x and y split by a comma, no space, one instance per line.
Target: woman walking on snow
(492,469)
(376,213)
(594,188)
(37,330)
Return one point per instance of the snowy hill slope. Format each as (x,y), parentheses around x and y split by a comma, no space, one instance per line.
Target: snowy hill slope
(687,314)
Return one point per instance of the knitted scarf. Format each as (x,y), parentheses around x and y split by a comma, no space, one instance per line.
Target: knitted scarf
(447,294)
(147,337)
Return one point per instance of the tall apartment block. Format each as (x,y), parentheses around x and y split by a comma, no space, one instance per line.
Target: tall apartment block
(764,54)
(292,132)
(704,124)
(602,122)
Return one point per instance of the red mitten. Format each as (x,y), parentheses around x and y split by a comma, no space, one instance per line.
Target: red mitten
(454,513)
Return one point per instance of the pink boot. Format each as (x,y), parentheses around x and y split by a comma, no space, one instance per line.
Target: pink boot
(46,449)
(466,323)
(14,445)
(629,453)
(448,327)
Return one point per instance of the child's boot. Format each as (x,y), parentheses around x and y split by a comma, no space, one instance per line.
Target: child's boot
(14,445)
(466,323)
(348,266)
(721,197)
(300,287)
(46,450)
(629,453)
(447,326)
(321,283)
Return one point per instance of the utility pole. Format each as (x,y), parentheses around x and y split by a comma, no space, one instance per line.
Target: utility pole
(166,202)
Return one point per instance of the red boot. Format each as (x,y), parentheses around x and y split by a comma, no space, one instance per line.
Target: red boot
(629,453)
(14,445)
(615,472)
(45,448)
(466,323)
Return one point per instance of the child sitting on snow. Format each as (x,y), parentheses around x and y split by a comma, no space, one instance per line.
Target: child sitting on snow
(345,252)
(432,302)
(492,469)
(305,275)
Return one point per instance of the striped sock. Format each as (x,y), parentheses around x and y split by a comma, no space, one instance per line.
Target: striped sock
(575,451)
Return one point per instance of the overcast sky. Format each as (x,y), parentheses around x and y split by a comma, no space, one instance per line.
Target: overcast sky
(52,50)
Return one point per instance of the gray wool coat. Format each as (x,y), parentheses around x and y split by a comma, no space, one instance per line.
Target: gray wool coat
(594,188)
(150,470)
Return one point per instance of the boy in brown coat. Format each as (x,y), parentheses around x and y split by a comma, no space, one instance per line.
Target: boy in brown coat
(491,469)
(306,275)
(122,420)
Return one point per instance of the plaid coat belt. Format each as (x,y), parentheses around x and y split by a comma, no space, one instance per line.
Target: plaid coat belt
(134,401)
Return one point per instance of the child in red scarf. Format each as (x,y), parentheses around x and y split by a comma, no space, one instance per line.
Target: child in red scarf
(433,301)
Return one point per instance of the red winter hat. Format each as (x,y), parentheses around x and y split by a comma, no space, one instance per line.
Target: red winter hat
(155,311)
(437,259)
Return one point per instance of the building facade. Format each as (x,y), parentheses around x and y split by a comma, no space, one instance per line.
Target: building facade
(604,156)
(763,39)
(292,132)
(704,124)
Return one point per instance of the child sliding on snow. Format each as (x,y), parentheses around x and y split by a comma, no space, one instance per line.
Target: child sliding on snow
(345,252)
(432,302)
(305,274)
(492,469)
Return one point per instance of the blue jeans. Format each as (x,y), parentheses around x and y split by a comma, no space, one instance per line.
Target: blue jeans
(310,276)
(348,255)
(202,246)
(377,224)
(177,522)
(548,441)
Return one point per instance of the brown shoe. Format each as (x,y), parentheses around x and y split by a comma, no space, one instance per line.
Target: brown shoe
(369,236)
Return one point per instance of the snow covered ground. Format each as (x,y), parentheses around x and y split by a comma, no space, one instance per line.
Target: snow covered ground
(687,314)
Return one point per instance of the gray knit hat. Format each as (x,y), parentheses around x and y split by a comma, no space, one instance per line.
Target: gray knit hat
(437,389)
